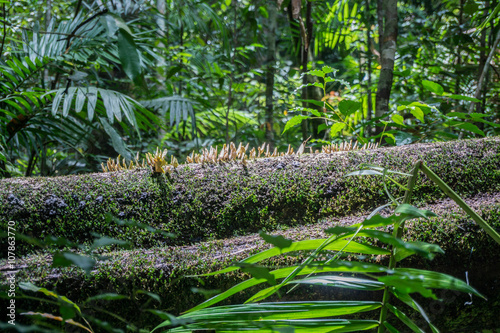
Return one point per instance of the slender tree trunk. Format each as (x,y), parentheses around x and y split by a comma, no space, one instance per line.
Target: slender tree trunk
(304,53)
(459,49)
(388,16)
(482,78)
(231,75)
(270,71)
(369,65)
(482,61)
(160,21)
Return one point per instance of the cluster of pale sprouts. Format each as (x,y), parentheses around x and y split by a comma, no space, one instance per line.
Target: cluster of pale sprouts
(228,153)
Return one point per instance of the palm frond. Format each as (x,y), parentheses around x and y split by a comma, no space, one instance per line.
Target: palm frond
(178,107)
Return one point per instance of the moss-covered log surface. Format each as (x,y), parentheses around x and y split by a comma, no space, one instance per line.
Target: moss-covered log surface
(298,195)
(215,201)
(163,270)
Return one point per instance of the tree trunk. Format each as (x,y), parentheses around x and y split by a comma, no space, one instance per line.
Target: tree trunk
(270,72)
(388,25)
(484,72)
(369,65)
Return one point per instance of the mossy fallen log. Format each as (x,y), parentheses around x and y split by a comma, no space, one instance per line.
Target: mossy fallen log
(163,270)
(197,202)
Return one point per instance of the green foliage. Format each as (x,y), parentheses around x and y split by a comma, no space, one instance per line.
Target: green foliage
(315,270)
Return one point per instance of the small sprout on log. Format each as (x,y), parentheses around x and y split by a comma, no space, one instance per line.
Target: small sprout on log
(227,153)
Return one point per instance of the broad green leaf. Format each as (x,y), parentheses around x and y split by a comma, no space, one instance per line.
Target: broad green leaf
(80,100)
(258,272)
(68,99)
(479,115)
(57,318)
(403,138)
(106,297)
(421,249)
(407,321)
(336,128)
(433,87)
(365,172)
(390,328)
(106,241)
(282,310)
(398,119)
(428,247)
(120,23)
(461,115)
(418,113)
(116,140)
(57,101)
(282,326)
(311,101)
(295,120)
(21,65)
(338,266)
(322,127)
(308,245)
(91,103)
(328,69)
(129,55)
(470,127)
(464,98)
(347,107)
(341,282)
(436,280)
(317,72)
(382,169)
(278,241)
(65,259)
(413,212)
(480,120)
(408,300)
(30,286)
(16,69)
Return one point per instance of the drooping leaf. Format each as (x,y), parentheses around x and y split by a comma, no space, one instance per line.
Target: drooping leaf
(106,297)
(295,120)
(347,107)
(404,318)
(278,240)
(470,127)
(116,140)
(433,87)
(341,282)
(398,119)
(464,98)
(65,259)
(129,55)
(418,113)
(336,128)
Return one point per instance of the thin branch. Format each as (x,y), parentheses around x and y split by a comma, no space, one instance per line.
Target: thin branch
(482,78)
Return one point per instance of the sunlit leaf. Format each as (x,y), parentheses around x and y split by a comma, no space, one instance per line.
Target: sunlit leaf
(295,120)
(433,87)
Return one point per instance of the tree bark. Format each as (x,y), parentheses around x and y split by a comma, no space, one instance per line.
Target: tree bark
(388,27)
(484,73)
(270,71)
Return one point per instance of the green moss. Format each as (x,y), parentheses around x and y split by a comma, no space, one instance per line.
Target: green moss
(162,270)
(216,201)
